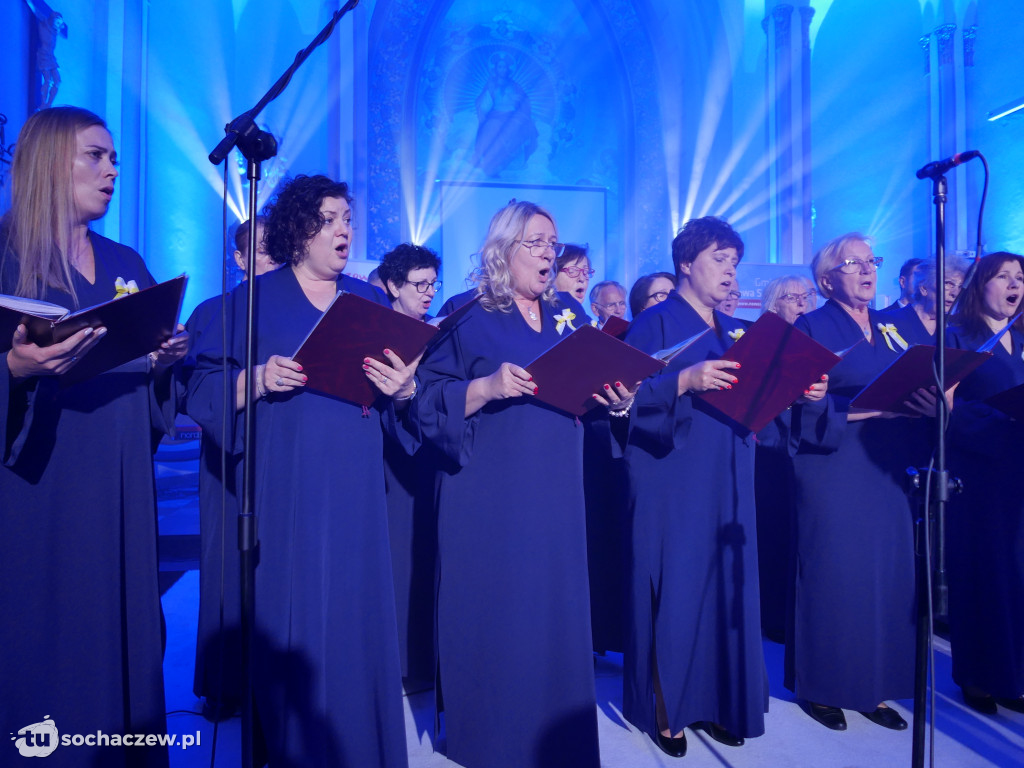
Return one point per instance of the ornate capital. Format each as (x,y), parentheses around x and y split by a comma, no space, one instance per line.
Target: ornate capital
(944,36)
(806,14)
(926,45)
(781,14)
(970,33)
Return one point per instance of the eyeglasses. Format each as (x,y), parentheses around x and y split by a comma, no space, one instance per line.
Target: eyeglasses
(658,296)
(953,285)
(575,272)
(538,247)
(423,285)
(853,266)
(793,298)
(733,295)
(613,305)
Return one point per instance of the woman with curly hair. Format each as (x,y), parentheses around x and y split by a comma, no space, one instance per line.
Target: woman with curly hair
(513,617)
(327,679)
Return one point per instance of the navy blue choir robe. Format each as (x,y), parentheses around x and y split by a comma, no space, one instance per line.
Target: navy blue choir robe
(694,591)
(908,325)
(218,670)
(985,545)
(850,642)
(773,492)
(410,480)
(326,673)
(515,669)
(81,630)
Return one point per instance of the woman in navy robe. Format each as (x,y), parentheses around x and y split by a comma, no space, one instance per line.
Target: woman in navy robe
(789,297)
(986,523)
(409,274)
(515,671)
(81,633)
(915,321)
(693,656)
(327,682)
(850,643)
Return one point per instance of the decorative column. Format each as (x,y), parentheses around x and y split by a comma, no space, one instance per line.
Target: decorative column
(788,91)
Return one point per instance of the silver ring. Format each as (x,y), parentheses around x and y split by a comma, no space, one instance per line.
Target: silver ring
(74,358)
(279,382)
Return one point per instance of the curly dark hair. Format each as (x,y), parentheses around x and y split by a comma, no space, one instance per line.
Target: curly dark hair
(698,234)
(638,293)
(970,307)
(293,216)
(403,259)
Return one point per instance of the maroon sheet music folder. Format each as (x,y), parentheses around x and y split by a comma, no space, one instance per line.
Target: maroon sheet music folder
(616,326)
(1009,401)
(777,365)
(137,324)
(911,371)
(351,329)
(568,374)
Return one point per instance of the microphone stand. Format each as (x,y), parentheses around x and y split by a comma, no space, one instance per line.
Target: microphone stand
(932,601)
(256,146)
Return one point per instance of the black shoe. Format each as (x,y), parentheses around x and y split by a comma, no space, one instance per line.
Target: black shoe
(719,734)
(1014,705)
(887,717)
(982,703)
(830,717)
(672,747)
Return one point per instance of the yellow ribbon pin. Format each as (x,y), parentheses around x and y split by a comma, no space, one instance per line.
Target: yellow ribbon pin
(889,332)
(564,319)
(735,335)
(121,288)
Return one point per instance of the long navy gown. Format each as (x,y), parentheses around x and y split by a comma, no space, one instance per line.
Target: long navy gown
(218,671)
(986,526)
(515,671)
(327,679)
(850,642)
(694,591)
(81,629)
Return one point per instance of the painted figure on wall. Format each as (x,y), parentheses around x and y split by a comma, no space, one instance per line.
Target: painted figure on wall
(51,24)
(506,135)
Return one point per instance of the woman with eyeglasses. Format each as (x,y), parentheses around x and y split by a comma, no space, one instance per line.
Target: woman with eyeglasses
(409,274)
(650,290)
(573,272)
(915,321)
(985,524)
(515,669)
(850,644)
(789,296)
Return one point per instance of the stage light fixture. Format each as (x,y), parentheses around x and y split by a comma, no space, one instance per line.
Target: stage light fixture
(1007,109)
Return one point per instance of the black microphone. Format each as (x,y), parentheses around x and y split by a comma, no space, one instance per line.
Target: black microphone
(939,167)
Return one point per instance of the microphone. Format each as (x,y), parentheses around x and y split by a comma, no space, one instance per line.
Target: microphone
(939,167)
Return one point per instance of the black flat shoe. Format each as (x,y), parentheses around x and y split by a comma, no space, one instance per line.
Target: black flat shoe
(719,734)
(672,747)
(983,703)
(830,717)
(887,717)
(1014,705)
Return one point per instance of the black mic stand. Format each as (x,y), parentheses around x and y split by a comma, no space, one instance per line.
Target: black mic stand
(256,146)
(936,488)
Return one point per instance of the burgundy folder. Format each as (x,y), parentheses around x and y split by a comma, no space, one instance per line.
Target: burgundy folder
(914,370)
(137,324)
(350,330)
(568,374)
(777,364)
(616,326)
(1009,401)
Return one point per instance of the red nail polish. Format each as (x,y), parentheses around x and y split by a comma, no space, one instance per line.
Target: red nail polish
(606,386)
(594,396)
(535,390)
(738,365)
(366,359)
(823,377)
(305,379)
(387,351)
(366,367)
(728,386)
(618,383)
(300,369)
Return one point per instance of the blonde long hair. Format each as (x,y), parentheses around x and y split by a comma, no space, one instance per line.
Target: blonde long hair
(493,278)
(38,227)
